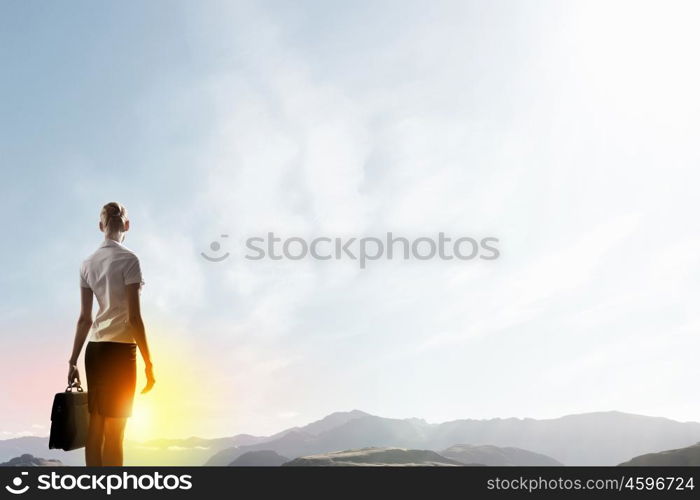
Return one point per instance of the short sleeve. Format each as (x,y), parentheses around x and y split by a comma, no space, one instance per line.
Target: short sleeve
(83,277)
(132,272)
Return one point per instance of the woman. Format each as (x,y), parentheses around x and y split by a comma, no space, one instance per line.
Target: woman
(113,275)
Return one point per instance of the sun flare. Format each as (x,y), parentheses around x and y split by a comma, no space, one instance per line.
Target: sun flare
(160,413)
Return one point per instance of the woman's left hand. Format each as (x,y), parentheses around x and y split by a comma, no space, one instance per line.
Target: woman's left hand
(150,379)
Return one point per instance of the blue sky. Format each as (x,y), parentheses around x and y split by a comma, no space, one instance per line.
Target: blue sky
(567,130)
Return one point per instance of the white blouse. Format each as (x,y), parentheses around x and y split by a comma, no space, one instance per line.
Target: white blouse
(107,272)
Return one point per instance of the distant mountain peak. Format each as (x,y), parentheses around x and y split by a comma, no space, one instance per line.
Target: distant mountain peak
(497,455)
(352,413)
(687,457)
(259,458)
(27,460)
(375,456)
(332,421)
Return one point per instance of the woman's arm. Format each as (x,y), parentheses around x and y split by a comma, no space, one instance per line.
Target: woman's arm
(81,332)
(139,332)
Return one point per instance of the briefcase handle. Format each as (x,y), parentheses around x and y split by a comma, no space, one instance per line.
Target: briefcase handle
(73,385)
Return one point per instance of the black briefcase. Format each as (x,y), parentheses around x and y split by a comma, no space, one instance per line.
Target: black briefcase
(69,419)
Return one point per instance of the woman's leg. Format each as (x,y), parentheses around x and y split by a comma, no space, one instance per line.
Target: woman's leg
(113,450)
(93,447)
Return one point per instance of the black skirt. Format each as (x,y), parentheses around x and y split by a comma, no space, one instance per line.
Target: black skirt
(110,368)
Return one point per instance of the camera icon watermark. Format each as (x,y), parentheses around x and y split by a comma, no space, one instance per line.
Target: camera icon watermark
(215,246)
(16,488)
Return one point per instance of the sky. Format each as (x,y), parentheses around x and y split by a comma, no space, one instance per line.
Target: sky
(568,130)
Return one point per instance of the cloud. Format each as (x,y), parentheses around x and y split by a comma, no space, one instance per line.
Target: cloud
(446,137)
(287,414)
(567,134)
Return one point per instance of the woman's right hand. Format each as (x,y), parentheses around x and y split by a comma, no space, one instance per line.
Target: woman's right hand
(150,379)
(73,374)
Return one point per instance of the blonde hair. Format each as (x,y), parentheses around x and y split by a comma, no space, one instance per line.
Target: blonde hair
(113,216)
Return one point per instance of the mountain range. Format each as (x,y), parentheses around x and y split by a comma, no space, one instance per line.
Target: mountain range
(601,438)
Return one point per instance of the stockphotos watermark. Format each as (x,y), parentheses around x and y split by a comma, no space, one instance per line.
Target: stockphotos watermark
(106,483)
(363,250)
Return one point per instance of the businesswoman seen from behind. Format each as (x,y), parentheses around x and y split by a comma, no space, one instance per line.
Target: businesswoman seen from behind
(112,274)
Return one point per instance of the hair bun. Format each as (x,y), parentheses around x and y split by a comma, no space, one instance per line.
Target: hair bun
(113,216)
(114,210)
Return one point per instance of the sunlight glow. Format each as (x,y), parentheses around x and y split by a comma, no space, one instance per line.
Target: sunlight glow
(161,413)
